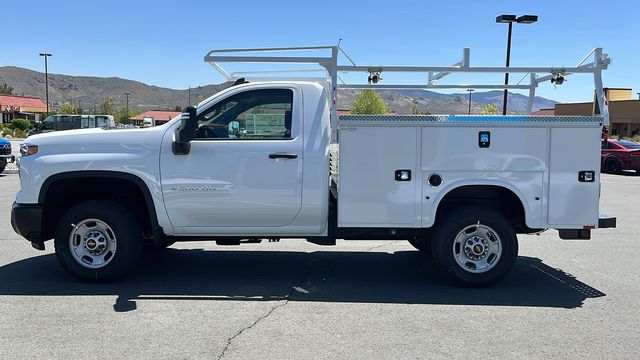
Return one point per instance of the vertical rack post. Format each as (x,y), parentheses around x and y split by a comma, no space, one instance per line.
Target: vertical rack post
(597,77)
(532,92)
(334,94)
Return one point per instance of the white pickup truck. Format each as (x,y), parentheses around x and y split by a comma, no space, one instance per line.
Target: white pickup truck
(256,160)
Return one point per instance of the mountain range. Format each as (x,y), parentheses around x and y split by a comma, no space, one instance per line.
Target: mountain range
(89,92)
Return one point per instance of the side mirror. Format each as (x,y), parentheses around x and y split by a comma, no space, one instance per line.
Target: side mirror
(185,132)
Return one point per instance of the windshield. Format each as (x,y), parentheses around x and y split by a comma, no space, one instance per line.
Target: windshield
(629,144)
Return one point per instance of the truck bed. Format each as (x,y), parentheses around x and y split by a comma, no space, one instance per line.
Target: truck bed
(535,157)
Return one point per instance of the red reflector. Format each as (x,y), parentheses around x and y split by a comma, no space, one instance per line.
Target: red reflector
(587,227)
(635,153)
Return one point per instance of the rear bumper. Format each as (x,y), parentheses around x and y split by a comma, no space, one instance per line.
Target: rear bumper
(26,220)
(604,221)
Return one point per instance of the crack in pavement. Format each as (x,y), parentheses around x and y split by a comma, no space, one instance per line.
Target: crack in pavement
(288,297)
(230,340)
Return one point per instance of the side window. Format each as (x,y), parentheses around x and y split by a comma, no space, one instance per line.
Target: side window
(251,115)
(47,124)
(101,121)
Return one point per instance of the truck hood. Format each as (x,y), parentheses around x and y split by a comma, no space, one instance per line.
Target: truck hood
(99,140)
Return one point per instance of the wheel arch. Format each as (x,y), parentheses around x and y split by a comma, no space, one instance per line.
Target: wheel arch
(65,180)
(501,196)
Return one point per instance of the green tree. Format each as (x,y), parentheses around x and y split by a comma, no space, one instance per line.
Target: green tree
(415,110)
(123,115)
(107,107)
(369,102)
(489,109)
(20,124)
(67,108)
(6,89)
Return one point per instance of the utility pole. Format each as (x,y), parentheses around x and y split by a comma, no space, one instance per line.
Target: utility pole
(127,95)
(46,79)
(470,91)
(189,96)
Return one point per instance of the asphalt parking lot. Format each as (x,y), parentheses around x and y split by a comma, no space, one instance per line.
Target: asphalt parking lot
(357,300)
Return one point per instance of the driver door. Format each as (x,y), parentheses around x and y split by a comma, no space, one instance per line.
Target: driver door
(244,168)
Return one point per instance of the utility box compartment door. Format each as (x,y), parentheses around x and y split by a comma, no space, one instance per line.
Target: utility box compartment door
(573,203)
(371,191)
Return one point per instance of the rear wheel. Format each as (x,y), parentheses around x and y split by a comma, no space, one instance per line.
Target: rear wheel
(98,241)
(613,166)
(475,246)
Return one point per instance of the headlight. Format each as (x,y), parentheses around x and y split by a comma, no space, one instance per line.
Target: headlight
(28,149)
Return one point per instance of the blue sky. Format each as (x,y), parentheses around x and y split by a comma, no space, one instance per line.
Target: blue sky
(163,42)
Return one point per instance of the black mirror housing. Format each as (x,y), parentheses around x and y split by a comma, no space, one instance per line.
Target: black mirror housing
(185,132)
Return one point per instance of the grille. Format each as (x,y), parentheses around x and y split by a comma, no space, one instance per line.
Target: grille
(5,151)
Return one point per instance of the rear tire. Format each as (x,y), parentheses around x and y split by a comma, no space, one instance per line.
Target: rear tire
(98,241)
(475,246)
(613,166)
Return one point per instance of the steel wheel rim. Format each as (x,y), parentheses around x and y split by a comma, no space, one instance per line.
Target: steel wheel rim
(92,243)
(477,248)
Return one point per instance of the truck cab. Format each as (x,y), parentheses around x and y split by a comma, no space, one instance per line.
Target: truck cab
(258,151)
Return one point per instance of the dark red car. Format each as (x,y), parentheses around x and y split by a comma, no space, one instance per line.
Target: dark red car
(618,155)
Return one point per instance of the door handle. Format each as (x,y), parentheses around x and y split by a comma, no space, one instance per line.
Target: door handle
(283,156)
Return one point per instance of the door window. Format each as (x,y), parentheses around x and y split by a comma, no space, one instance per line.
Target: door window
(251,115)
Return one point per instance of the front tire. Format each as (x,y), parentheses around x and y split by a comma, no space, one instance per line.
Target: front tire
(475,246)
(98,241)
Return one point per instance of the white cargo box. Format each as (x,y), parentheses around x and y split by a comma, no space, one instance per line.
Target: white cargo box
(535,157)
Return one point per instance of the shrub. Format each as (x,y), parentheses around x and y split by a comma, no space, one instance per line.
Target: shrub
(20,124)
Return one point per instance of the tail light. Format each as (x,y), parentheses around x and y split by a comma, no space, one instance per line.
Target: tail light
(635,153)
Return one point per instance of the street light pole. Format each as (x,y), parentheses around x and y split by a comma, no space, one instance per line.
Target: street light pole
(79,105)
(506,75)
(510,19)
(189,96)
(470,91)
(46,79)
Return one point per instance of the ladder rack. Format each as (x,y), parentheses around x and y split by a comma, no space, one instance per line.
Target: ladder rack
(327,67)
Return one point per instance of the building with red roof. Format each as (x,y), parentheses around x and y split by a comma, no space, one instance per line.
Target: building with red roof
(21,107)
(156,117)
(544,112)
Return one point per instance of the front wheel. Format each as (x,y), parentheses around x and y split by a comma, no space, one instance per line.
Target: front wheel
(98,241)
(475,246)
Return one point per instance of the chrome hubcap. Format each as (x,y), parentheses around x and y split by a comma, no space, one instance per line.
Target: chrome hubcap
(92,243)
(477,248)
